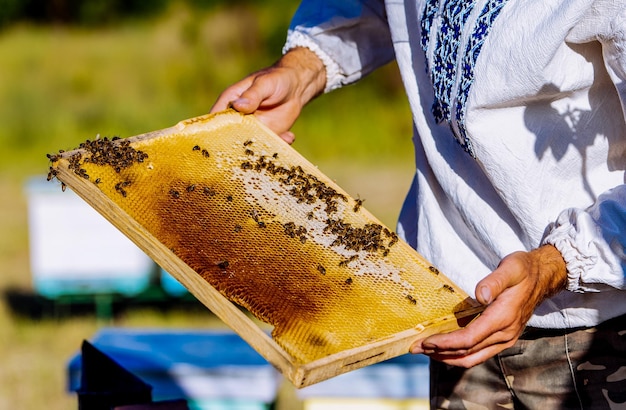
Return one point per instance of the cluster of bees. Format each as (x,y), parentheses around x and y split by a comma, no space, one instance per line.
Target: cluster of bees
(295,231)
(303,186)
(307,188)
(52,172)
(370,238)
(101,151)
(118,155)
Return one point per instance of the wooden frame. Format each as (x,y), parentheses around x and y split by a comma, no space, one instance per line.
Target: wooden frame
(300,373)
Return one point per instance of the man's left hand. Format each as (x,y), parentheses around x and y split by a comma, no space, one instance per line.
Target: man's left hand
(519,284)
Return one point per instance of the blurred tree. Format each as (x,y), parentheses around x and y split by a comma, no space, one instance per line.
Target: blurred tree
(10,10)
(83,12)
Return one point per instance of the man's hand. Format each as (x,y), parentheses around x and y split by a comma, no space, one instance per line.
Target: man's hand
(277,94)
(512,292)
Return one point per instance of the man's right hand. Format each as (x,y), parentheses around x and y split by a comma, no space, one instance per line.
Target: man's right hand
(277,94)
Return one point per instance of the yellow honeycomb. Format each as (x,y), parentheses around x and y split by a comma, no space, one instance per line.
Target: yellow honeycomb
(269,231)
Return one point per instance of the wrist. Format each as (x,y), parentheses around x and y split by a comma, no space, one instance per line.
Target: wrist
(309,70)
(551,268)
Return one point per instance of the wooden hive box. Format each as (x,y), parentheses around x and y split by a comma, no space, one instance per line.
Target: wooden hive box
(242,220)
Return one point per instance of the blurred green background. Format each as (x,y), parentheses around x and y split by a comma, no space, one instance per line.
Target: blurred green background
(72,69)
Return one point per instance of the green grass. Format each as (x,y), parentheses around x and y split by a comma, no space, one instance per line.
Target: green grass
(60,86)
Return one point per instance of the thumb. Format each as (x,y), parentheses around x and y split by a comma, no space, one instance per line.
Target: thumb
(505,276)
(244,105)
(485,293)
(491,287)
(261,92)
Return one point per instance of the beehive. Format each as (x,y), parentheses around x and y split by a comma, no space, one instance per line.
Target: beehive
(242,220)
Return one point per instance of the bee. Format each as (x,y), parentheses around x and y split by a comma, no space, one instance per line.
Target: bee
(290,229)
(229,198)
(208,191)
(52,173)
(191,188)
(411,299)
(358,204)
(345,262)
(448,288)
(275,155)
(97,181)
(175,194)
(249,151)
(321,269)
(119,187)
(433,270)
(223,264)
(394,239)
(238,228)
(248,142)
(196,148)
(63,186)
(205,153)
(53,157)
(349,281)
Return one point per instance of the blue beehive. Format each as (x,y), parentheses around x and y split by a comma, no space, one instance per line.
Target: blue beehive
(211,369)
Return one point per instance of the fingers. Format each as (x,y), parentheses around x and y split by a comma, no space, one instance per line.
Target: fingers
(288,136)
(259,89)
(496,325)
(272,95)
(506,291)
(473,359)
(463,352)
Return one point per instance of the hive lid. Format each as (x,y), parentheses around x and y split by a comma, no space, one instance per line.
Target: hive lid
(241,219)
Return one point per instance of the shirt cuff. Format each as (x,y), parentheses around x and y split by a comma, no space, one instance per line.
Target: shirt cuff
(586,255)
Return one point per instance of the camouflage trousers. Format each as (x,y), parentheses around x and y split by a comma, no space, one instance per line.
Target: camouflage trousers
(545,369)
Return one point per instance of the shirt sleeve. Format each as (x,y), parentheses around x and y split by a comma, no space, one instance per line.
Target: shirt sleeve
(593,241)
(351,37)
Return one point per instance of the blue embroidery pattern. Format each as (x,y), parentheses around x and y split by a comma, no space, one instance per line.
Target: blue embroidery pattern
(443,68)
(453,18)
(427,21)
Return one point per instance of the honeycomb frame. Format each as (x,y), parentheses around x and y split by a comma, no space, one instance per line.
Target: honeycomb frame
(241,219)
